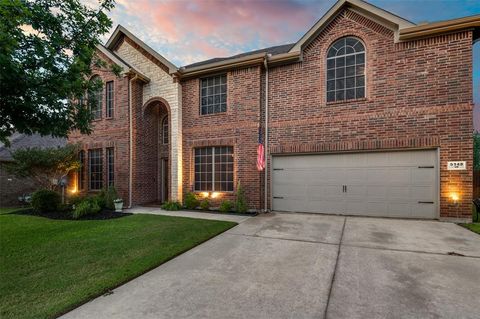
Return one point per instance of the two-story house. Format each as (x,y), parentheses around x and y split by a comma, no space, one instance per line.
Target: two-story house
(366,114)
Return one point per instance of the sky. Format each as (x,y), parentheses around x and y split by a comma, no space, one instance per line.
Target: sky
(187,31)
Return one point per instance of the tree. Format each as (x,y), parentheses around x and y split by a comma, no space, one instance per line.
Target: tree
(46,166)
(47,52)
(476,151)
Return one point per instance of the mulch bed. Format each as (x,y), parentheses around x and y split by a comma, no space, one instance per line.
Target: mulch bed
(103,215)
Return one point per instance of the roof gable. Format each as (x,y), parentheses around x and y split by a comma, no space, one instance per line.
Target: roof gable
(383,17)
(122,31)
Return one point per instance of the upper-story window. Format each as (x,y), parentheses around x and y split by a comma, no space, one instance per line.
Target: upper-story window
(346,70)
(165,130)
(213,94)
(95,98)
(109,98)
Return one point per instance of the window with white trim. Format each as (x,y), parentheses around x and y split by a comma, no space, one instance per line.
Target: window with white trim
(213,94)
(214,169)
(110,167)
(346,70)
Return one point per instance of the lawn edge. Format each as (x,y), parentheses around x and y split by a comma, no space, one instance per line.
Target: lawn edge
(90,298)
(466,226)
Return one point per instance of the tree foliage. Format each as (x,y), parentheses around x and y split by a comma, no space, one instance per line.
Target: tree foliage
(47,52)
(44,165)
(476,151)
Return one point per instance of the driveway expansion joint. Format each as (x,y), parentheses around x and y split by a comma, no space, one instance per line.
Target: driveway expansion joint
(335,268)
(287,239)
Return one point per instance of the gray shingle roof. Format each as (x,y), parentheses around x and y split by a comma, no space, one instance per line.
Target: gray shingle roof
(18,141)
(271,50)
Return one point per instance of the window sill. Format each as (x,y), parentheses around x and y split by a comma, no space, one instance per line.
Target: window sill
(213,114)
(363,99)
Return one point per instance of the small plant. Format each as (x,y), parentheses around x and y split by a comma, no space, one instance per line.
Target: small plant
(241,201)
(205,204)
(75,199)
(172,205)
(226,206)
(106,197)
(118,201)
(191,201)
(88,206)
(45,200)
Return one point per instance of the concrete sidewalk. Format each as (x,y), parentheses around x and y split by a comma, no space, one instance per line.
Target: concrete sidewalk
(190,214)
(310,266)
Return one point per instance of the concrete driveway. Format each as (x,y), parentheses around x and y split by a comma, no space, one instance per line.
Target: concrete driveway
(310,266)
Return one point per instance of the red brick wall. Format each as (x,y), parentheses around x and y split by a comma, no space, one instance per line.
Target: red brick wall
(419,95)
(109,132)
(238,127)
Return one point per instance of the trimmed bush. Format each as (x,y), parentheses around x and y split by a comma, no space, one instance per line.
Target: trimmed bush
(205,204)
(241,201)
(191,201)
(88,206)
(45,200)
(226,206)
(171,205)
(106,197)
(75,199)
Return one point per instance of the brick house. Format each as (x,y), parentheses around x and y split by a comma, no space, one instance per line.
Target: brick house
(361,116)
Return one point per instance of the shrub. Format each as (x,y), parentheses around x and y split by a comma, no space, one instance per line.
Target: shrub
(241,201)
(75,199)
(191,201)
(205,204)
(45,200)
(172,205)
(106,197)
(226,206)
(88,206)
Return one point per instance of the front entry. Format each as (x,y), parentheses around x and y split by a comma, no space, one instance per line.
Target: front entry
(163,180)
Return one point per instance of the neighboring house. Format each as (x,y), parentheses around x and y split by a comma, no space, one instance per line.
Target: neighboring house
(12,187)
(361,116)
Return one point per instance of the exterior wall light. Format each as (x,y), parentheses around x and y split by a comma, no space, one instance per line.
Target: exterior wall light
(454,197)
(205,194)
(214,195)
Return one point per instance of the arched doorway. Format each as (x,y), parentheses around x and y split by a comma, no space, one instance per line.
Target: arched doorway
(156,140)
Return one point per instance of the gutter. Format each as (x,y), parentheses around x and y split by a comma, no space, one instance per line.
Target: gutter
(440,27)
(266,133)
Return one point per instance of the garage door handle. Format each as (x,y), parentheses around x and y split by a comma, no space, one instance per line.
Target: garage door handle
(426,167)
(278,169)
(421,202)
(277,197)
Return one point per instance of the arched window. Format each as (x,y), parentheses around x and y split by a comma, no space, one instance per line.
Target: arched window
(95,98)
(165,130)
(346,70)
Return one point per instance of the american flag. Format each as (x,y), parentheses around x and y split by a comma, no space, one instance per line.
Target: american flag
(260,152)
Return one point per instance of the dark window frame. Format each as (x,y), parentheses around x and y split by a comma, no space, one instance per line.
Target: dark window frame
(95,169)
(213,94)
(214,169)
(110,161)
(96,98)
(110,99)
(165,135)
(346,70)
(81,171)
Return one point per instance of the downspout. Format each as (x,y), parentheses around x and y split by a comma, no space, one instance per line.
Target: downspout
(130,162)
(266,133)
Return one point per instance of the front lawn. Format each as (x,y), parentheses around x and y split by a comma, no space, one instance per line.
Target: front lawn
(51,266)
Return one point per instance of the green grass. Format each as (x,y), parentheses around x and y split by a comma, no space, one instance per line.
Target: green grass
(7,210)
(51,266)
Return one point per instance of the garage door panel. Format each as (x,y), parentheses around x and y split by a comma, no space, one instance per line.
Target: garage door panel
(388,184)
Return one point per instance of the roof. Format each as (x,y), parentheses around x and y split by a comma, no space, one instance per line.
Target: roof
(278,49)
(122,31)
(19,141)
(377,14)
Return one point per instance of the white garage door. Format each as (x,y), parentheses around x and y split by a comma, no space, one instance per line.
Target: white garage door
(388,184)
